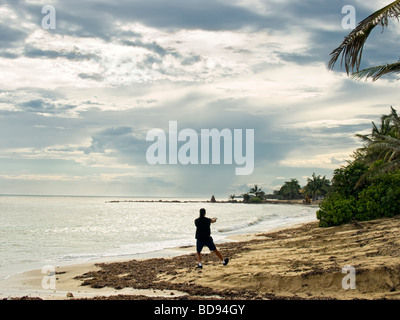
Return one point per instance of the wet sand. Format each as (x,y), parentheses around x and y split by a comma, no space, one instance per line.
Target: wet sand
(303,262)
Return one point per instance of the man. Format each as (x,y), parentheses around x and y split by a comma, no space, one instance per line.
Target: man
(203,237)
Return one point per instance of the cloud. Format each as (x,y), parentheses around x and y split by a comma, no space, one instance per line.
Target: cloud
(120,144)
(32,52)
(10,37)
(76,102)
(206,15)
(42,107)
(153,47)
(92,76)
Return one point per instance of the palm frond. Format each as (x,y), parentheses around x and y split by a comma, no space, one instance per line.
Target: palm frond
(376,72)
(382,138)
(394,118)
(375,171)
(386,147)
(352,47)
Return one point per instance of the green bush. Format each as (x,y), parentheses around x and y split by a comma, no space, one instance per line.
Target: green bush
(255,200)
(335,210)
(381,198)
(345,179)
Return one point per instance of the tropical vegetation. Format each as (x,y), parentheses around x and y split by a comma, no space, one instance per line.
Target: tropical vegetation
(369,186)
(351,49)
(290,190)
(316,187)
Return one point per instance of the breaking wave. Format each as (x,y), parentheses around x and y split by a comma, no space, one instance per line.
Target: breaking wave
(244,225)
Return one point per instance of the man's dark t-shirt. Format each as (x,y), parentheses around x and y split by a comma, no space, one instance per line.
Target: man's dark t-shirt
(203,231)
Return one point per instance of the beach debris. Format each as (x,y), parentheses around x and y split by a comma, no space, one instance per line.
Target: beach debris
(357,224)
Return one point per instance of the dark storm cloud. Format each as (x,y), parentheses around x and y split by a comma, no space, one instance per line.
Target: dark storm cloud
(190,60)
(96,18)
(9,54)
(33,52)
(93,76)
(153,46)
(10,36)
(204,14)
(41,106)
(121,141)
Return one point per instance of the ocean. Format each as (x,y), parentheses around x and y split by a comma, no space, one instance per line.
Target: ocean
(57,230)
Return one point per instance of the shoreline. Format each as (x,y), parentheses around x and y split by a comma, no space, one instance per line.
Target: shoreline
(161,252)
(28,284)
(298,262)
(268,201)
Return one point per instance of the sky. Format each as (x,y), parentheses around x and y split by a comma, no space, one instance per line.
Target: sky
(77,101)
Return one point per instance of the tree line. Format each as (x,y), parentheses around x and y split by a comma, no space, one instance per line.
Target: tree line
(315,188)
(368,187)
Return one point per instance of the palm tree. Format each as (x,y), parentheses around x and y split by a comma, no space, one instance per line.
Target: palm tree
(246,197)
(381,150)
(367,153)
(290,189)
(317,186)
(388,150)
(395,120)
(257,191)
(352,46)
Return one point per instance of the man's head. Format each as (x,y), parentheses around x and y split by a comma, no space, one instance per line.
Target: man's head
(202,212)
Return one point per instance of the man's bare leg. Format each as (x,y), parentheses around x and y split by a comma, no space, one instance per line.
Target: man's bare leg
(198,257)
(219,255)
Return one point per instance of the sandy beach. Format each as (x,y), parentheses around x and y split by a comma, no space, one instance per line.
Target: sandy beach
(303,262)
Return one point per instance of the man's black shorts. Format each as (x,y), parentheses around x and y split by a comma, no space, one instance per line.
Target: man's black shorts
(208,243)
